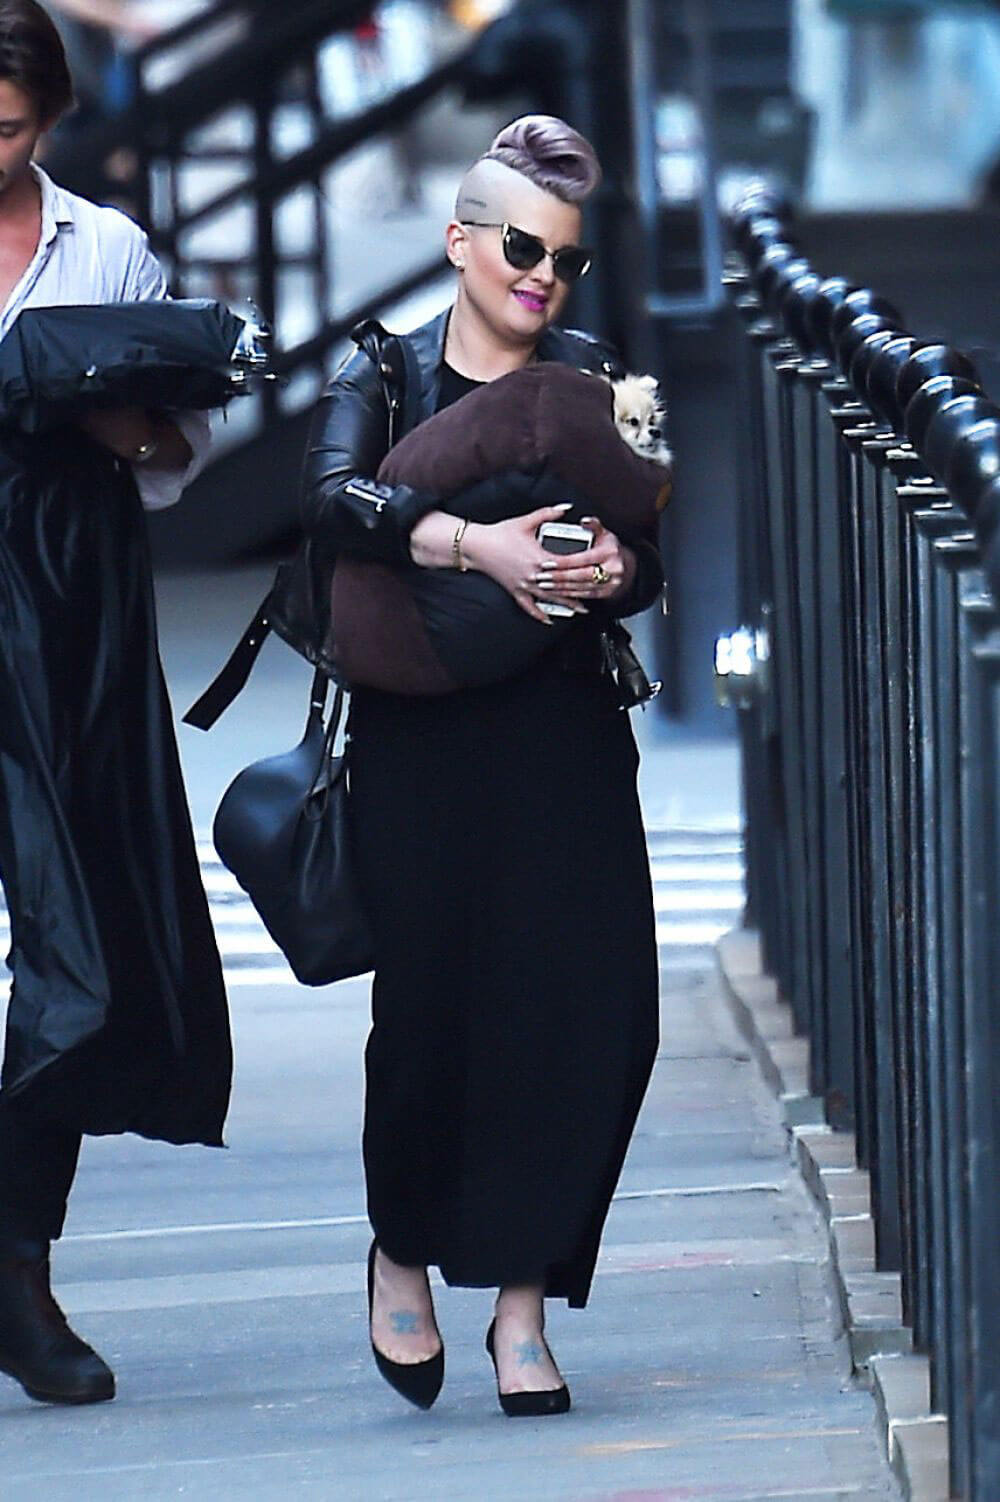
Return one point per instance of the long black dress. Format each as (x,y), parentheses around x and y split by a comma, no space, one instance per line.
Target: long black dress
(515,1005)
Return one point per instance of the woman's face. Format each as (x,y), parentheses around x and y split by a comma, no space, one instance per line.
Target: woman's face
(516,306)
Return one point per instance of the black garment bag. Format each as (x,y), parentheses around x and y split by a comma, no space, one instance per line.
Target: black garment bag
(117,1019)
(56,363)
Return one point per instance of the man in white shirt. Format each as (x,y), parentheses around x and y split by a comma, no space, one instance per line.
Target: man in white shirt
(59,249)
(84,252)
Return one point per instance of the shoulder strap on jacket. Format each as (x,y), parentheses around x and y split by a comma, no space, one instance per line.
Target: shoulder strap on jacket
(598,352)
(398,370)
(370,335)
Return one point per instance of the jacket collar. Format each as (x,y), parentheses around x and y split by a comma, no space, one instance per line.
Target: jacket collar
(565,346)
(57,209)
(427,343)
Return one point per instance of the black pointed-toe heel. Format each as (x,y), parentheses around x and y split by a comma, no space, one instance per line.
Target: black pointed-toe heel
(526,1405)
(420,1381)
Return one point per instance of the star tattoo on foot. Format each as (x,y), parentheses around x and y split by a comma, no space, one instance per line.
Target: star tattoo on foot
(528,1352)
(405,1322)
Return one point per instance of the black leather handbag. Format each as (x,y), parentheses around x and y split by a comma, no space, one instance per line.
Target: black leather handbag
(283,829)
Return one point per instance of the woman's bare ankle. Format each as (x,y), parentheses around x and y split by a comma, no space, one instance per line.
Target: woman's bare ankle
(404,1326)
(522,1302)
(524,1361)
(385,1264)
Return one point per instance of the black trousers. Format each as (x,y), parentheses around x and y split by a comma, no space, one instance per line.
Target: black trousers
(37,1162)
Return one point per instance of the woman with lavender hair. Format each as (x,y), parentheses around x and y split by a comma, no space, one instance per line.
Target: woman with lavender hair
(499,837)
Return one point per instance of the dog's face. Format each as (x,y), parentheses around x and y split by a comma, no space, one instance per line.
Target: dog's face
(639,415)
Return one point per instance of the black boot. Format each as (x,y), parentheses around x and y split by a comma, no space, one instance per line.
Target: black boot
(37,1346)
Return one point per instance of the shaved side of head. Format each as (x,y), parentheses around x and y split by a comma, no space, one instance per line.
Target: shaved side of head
(538,151)
(492,192)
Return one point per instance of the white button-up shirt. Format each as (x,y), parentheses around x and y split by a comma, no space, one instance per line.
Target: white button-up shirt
(93,254)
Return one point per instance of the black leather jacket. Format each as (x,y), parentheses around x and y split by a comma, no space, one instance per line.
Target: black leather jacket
(345,510)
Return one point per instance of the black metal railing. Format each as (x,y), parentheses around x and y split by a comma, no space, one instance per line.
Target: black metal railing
(869,673)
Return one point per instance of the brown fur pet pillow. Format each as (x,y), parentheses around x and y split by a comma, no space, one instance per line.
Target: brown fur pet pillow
(545,414)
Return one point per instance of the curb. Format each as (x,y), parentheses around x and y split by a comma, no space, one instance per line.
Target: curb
(881,1346)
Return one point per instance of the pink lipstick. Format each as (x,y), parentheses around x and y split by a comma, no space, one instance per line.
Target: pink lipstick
(533,301)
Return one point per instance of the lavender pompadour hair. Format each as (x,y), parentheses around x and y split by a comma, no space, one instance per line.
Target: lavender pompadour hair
(550,154)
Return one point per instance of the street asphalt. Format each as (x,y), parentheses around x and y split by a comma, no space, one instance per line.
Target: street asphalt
(227,1288)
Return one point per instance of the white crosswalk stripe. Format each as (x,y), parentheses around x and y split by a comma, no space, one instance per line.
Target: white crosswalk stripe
(697,887)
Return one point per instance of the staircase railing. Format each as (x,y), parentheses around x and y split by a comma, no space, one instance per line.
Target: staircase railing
(257,56)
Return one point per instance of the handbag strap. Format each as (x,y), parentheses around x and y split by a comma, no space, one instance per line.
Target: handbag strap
(398,371)
(399,375)
(235,671)
(317,700)
(629,674)
(317,705)
(319,689)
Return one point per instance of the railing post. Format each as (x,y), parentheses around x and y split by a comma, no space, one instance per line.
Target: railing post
(950,554)
(877,1141)
(914,1002)
(754,594)
(801,384)
(779,362)
(841,998)
(983,968)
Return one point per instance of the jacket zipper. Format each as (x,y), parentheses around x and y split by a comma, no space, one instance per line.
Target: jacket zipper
(377,502)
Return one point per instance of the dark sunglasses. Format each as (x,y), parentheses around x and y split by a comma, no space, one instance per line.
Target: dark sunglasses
(524,251)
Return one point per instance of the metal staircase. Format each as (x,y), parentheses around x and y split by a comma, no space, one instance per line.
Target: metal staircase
(229,160)
(711,100)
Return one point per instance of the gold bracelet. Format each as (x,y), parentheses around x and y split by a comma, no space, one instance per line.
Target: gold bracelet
(456,548)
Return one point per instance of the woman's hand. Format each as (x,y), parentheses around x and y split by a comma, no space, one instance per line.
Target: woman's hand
(510,553)
(603,572)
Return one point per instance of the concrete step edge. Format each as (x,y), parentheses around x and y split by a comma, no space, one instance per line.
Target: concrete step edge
(920,1459)
(902,1389)
(916,1443)
(782,1058)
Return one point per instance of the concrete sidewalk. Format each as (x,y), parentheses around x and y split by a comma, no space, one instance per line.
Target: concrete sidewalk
(227,1289)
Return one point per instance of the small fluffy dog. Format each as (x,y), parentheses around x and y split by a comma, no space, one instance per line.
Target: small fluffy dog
(639,417)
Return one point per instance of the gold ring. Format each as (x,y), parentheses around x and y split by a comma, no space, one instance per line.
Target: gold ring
(601,575)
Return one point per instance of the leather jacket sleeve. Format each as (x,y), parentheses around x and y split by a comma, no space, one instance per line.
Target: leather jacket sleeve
(648,581)
(343,507)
